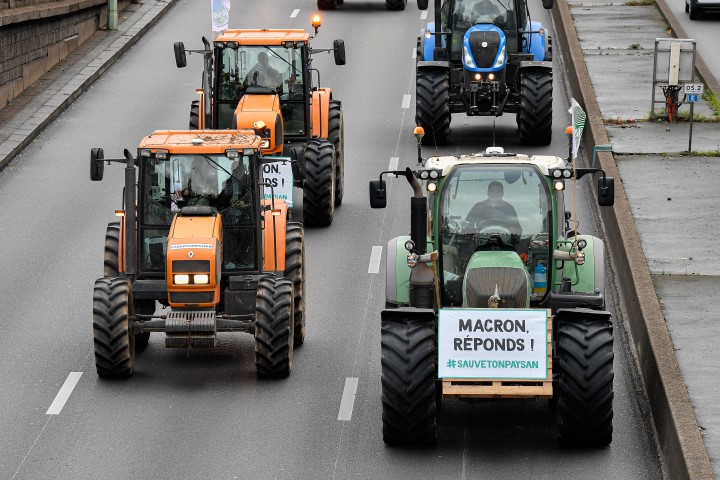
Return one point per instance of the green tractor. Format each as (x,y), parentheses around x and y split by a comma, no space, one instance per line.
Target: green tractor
(496,297)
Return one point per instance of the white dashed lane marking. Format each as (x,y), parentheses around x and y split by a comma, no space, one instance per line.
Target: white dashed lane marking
(64,393)
(375,256)
(348,399)
(423,15)
(295,13)
(406,101)
(393,163)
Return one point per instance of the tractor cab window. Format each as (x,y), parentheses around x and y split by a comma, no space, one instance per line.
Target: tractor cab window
(466,13)
(198,180)
(262,68)
(492,207)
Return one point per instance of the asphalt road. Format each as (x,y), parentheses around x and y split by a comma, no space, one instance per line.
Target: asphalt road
(705,31)
(205,415)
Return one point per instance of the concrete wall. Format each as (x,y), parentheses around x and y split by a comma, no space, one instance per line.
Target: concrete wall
(36,35)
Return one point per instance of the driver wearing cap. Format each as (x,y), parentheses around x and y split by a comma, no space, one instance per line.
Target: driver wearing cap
(494,208)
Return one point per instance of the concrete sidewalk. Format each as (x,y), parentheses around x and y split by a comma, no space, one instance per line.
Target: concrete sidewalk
(661,223)
(666,266)
(26,116)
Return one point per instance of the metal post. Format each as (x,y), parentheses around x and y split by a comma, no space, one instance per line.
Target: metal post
(112,15)
(692,104)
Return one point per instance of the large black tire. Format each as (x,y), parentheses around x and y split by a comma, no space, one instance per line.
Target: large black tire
(432,105)
(114,344)
(143,307)
(274,327)
(319,189)
(408,382)
(336,135)
(694,11)
(194,115)
(585,385)
(535,115)
(112,243)
(327,4)
(395,4)
(295,271)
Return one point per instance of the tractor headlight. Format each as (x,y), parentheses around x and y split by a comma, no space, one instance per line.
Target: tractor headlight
(181,279)
(434,174)
(424,174)
(581,244)
(557,173)
(431,186)
(478,77)
(202,279)
(500,62)
(469,61)
(491,76)
(559,185)
(409,245)
(567,173)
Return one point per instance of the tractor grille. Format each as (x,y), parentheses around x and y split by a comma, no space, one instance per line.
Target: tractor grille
(421,296)
(192,297)
(511,282)
(484,55)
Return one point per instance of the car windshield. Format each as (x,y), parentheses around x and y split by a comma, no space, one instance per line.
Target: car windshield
(494,206)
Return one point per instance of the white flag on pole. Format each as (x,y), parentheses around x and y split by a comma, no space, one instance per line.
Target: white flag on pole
(578,123)
(220,15)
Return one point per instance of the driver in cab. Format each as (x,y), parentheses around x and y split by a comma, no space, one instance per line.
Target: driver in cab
(495,210)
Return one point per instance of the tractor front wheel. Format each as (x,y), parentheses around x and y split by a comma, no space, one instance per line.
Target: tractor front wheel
(194,115)
(327,4)
(113,340)
(336,135)
(584,390)
(408,382)
(112,243)
(319,189)
(295,271)
(535,116)
(432,105)
(274,327)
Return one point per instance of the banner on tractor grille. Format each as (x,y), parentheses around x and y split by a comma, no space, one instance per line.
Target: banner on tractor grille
(278,178)
(578,124)
(493,344)
(220,14)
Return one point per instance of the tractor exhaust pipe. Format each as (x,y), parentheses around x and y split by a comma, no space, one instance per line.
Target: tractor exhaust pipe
(418,214)
(130,215)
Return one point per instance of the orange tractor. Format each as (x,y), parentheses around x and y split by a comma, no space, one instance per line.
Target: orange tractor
(199,234)
(266,75)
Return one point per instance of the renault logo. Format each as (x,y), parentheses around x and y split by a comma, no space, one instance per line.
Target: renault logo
(190,254)
(484,44)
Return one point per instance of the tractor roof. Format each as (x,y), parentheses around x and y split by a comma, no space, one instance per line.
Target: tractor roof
(264,36)
(201,141)
(543,162)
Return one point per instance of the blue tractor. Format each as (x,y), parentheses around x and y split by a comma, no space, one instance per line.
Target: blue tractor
(484,58)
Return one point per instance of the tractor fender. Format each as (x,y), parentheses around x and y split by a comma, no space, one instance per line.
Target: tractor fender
(319,112)
(438,64)
(397,271)
(571,314)
(274,233)
(532,64)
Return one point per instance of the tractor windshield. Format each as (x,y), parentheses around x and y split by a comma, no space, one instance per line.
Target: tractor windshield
(274,68)
(198,180)
(504,207)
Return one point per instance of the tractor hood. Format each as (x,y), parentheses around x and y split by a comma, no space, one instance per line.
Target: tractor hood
(254,107)
(492,270)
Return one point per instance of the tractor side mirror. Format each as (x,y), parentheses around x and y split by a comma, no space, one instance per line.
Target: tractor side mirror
(97,164)
(180,59)
(547,4)
(606,191)
(422,4)
(378,197)
(339,52)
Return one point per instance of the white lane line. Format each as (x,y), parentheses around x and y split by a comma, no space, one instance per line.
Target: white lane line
(64,393)
(348,399)
(393,163)
(375,259)
(423,15)
(414,54)
(295,13)
(406,101)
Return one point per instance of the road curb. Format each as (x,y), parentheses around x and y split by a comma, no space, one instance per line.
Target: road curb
(65,97)
(682,449)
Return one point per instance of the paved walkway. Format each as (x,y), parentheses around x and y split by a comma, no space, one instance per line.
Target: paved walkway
(672,195)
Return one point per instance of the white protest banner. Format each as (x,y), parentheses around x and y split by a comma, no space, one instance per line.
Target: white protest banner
(220,14)
(493,343)
(278,175)
(578,124)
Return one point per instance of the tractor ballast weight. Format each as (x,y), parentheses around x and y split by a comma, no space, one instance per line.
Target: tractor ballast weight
(202,232)
(484,58)
(263,80)
(506,300)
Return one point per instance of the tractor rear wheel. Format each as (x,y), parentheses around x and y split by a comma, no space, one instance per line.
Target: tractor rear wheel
(143,307)
(408,382)
(274,326)
(194,115)
(585,385)
(395,4)
(113,340)
(112,243)
(327,4)
(432,105)
(319,189)
(295,271)
(336,134)
(535,116)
